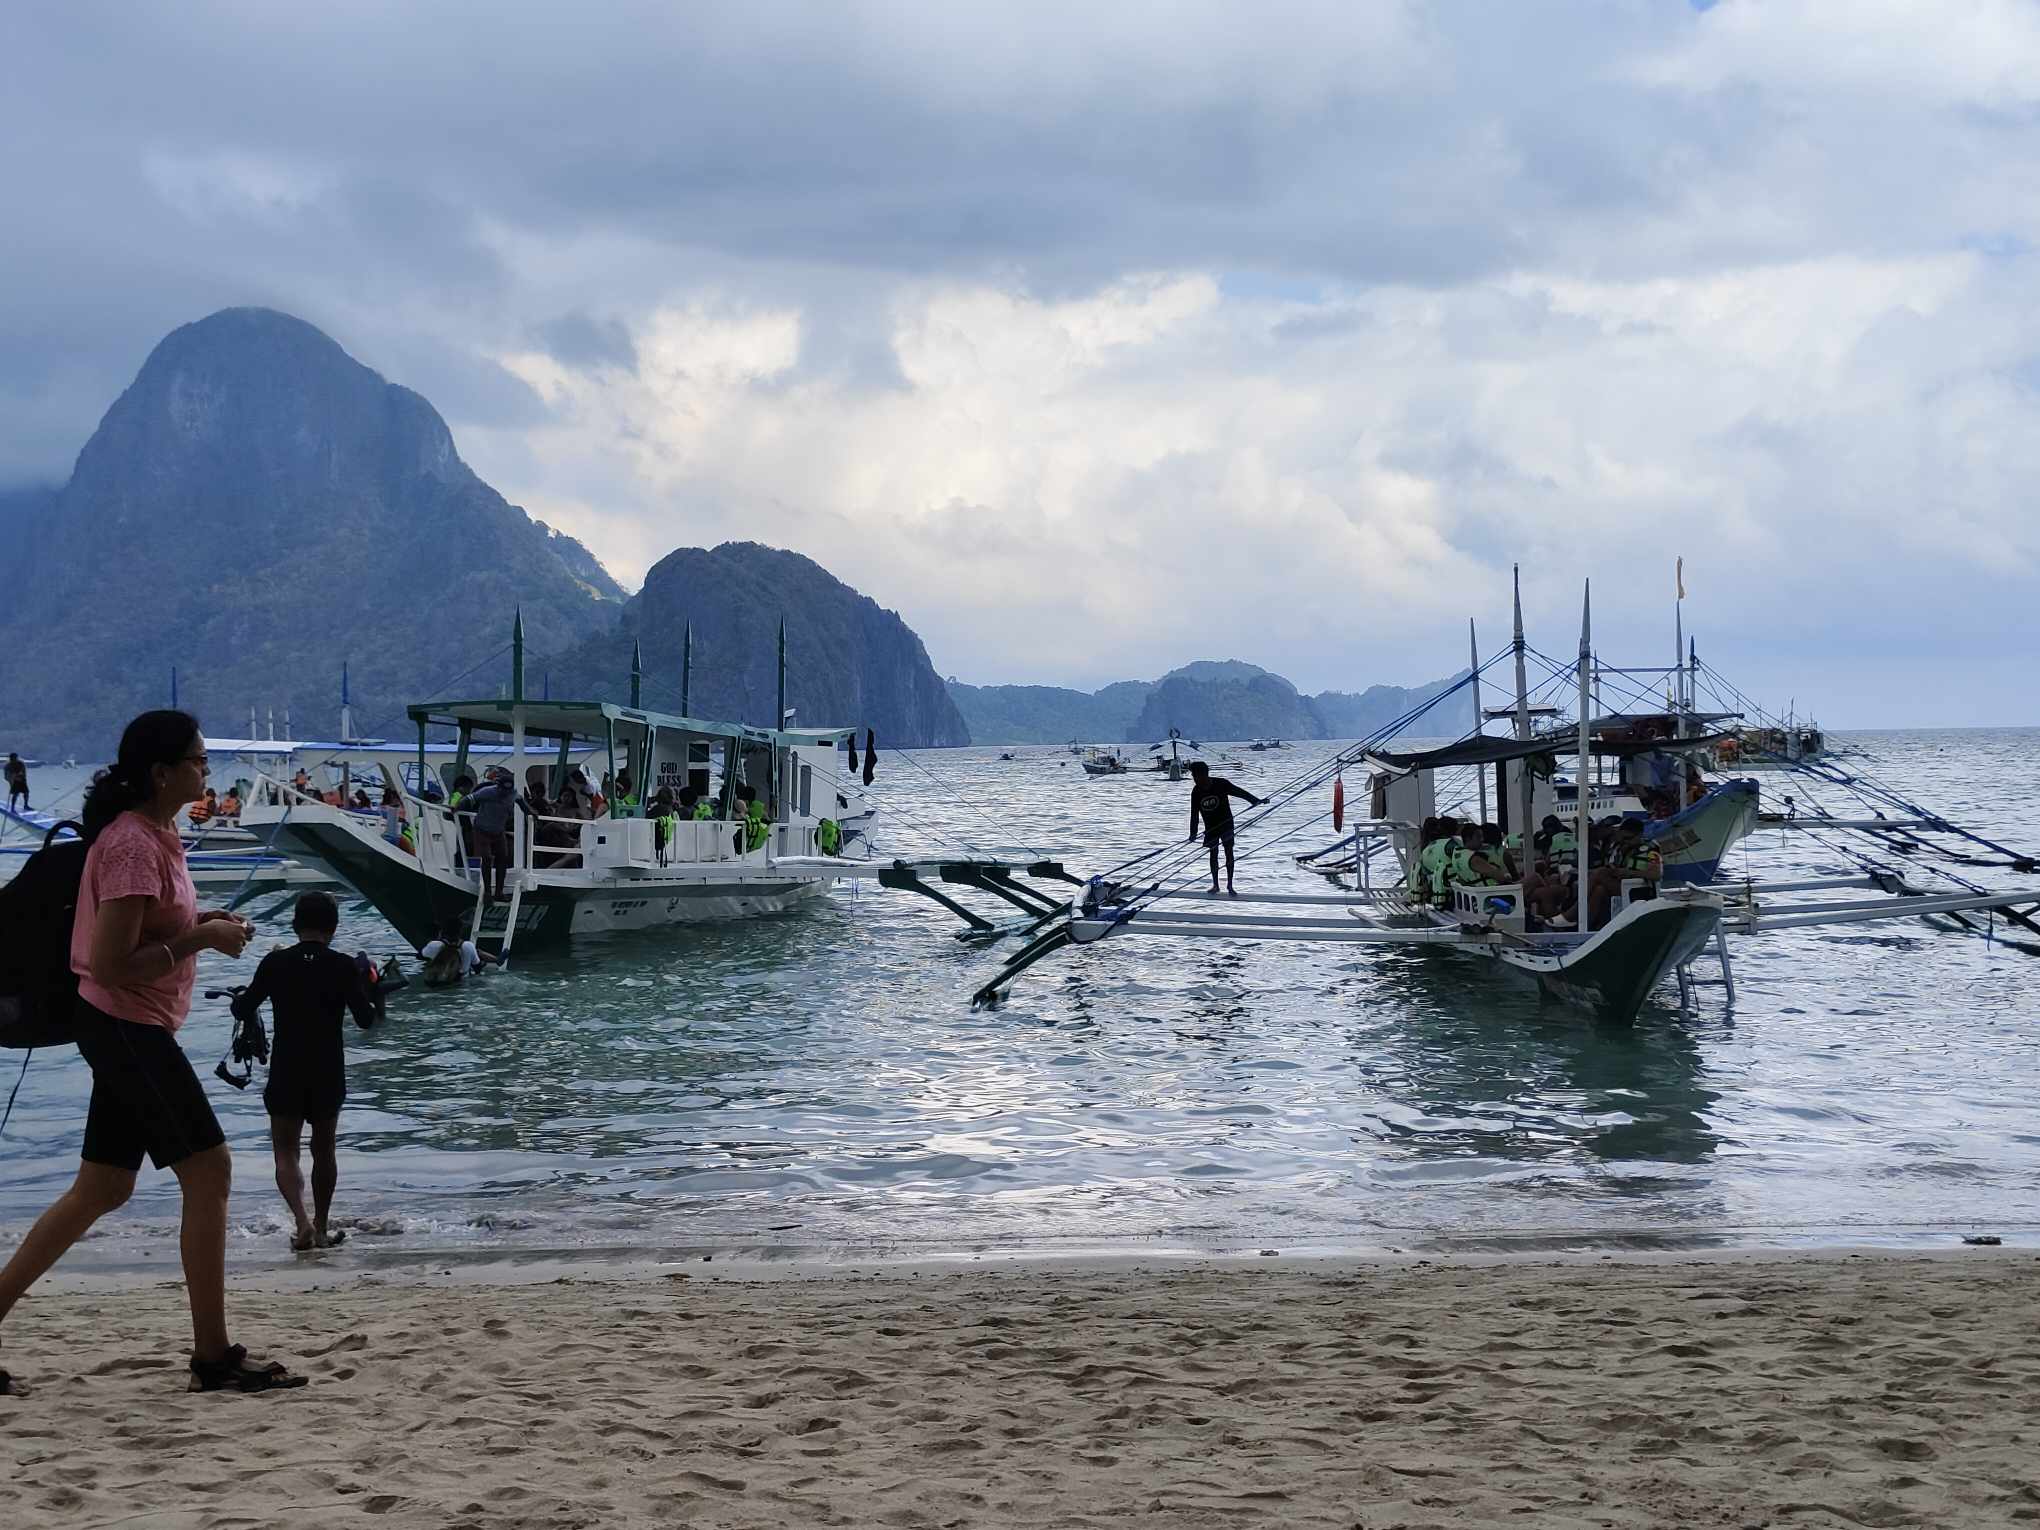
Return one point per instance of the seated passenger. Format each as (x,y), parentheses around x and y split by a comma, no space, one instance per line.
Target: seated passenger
(230,805)
(206,808)
(393,816)
(1545,892)
(575,799)
(1630,857)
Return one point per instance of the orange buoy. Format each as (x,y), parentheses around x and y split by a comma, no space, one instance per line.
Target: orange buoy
(1338,802)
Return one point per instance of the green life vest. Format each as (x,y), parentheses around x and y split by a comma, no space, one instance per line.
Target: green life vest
(1437,862)
(756,829)
(704,810)
(828,836)
(1563,843)
(1637,860)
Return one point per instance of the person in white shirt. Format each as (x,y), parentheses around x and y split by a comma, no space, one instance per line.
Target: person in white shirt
(452,957)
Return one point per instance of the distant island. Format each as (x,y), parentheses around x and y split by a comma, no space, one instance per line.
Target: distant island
(1208,699)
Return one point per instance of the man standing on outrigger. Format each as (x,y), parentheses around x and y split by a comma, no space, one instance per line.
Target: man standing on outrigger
(1209,801)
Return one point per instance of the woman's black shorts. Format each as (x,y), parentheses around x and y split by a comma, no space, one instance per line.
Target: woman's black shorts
(145,1096)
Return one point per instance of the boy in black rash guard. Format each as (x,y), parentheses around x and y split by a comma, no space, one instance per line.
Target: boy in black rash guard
(307,987)
(1210,801)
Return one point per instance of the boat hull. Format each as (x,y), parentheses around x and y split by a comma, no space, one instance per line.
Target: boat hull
(1694,841)
(418,902)
(1612,973)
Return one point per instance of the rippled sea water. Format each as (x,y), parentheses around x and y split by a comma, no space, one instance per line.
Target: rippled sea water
(819,1083)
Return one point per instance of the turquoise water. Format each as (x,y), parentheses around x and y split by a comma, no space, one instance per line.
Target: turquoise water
(818,1082)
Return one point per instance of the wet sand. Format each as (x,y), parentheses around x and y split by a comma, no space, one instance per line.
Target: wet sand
(1741,1390)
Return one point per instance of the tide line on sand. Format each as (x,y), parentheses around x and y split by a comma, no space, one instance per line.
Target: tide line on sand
(1745,1390)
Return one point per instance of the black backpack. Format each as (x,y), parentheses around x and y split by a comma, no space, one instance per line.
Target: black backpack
(38,990)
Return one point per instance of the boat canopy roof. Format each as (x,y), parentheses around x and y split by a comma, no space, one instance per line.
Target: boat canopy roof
(261,746)
(1477,750)
(1480,749)
(1669,719)
(592,719)
(1625,747)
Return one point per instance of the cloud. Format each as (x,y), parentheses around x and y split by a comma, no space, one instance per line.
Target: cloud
(1096,338)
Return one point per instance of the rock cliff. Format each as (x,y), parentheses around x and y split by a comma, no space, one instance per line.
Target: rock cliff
(256,508)
(849,662)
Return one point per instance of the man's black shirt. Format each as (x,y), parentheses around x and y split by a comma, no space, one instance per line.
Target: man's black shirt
(1211,802)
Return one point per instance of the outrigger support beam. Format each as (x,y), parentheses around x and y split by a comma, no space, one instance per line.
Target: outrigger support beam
(993,876)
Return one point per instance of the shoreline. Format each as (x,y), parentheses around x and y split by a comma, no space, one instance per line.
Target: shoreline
(381,1255)
(1729,1387)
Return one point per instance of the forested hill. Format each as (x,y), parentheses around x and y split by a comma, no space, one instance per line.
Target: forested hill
(256,508)
(849,662)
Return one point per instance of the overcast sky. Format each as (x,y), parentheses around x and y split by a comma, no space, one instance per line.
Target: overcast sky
(1096,338)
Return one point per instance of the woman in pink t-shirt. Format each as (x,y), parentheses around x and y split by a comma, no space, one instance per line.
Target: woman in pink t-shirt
(134,946)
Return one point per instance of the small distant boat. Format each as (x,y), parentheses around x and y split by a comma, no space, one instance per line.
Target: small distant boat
(1261,745)
(1006,754)
(1168,754)
(1105,761)
(1772,748)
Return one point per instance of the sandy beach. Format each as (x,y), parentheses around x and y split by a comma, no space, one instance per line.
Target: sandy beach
(1745,1390)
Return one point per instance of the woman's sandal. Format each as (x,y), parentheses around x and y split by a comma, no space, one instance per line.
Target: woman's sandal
(233,1373)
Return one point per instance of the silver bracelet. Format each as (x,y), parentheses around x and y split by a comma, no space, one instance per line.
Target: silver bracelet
(169,953)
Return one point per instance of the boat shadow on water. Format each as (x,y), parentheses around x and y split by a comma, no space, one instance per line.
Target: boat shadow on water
(1487,1070)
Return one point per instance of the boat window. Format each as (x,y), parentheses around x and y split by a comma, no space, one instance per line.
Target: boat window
(807,790)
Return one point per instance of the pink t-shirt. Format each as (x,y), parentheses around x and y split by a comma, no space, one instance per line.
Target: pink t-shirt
(134,858)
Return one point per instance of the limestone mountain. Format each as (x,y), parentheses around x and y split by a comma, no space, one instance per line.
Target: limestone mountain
(1231,705)
(256,508)
(849,661)
(1221,699)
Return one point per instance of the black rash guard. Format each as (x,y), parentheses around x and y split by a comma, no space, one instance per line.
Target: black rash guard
(308,986)
(1210,803)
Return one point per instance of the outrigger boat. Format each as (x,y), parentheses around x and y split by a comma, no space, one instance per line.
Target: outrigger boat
(1108,760)
(1650,934)
(1168,754)
(572,876)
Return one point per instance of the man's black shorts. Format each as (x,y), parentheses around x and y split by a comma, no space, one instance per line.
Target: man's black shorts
(145,1096)
(310,1095)
(1216,837)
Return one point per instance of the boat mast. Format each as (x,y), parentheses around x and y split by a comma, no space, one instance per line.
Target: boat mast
(1523,825)
(1679,668)
(686,669)
(1479,718)
(1586,743)
(517,704)
(346,707)
(637,677)
(779,717)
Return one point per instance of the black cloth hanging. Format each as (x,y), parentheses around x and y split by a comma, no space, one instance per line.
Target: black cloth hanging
(870,755)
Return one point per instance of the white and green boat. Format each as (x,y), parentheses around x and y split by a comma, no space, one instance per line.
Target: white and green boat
(572,876)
